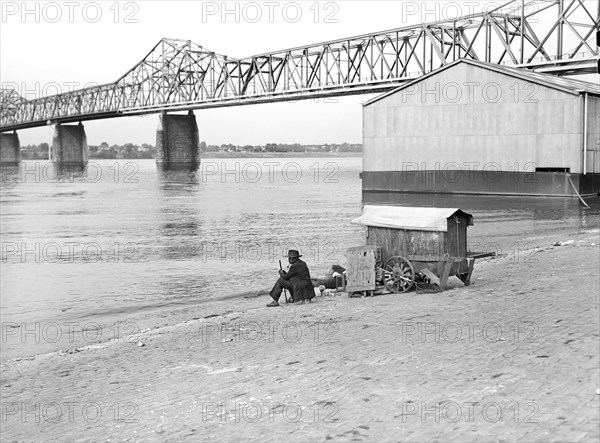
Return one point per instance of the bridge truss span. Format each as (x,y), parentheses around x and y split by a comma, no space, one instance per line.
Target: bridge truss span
(556,36)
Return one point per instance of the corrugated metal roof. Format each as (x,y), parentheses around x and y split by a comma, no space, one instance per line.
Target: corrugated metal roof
(568,85)
(411,218)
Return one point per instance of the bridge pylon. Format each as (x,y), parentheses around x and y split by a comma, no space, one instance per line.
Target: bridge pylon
(177,142)
(10,150)
(69,150)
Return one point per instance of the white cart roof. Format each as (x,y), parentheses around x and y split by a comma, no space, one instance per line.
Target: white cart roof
(411,218)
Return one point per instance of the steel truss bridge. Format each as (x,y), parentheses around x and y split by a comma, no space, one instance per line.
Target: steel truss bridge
(552,36)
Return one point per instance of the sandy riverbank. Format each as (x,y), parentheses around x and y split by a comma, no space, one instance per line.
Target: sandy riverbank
(513,357)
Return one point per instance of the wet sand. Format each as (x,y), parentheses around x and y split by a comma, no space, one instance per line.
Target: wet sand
(514,357)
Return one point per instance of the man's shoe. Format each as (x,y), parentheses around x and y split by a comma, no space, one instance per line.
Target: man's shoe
(273,304)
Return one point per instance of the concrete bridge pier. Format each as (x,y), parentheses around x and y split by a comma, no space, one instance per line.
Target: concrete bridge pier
(69,149)
(10,150)
(177,142)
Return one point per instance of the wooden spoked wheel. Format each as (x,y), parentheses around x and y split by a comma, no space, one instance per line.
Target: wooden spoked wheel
(399,275)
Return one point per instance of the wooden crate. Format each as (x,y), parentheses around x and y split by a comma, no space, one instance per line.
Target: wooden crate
(360,269)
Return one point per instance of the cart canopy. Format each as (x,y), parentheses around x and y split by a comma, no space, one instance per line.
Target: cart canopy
(410,218)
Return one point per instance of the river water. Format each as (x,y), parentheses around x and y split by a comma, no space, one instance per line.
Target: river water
(125,240)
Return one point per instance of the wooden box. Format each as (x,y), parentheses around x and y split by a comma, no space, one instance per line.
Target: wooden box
(427,245)
(360,269)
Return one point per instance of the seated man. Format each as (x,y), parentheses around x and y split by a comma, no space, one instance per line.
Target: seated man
(296,280)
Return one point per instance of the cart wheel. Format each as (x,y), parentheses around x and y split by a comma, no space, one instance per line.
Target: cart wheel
(400,275)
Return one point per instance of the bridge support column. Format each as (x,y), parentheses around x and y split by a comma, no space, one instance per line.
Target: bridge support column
(10,150)
(69,149)
(177,142)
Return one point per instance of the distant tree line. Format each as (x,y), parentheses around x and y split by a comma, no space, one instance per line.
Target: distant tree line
(132,151)
(35,152)
(281,147)
(126,151)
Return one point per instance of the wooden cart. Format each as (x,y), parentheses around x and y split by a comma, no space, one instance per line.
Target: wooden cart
(400,274)
(415,245)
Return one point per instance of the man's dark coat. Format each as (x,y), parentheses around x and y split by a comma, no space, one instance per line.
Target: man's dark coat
(299,276)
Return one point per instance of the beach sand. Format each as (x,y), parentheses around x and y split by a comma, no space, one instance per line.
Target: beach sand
(514,357)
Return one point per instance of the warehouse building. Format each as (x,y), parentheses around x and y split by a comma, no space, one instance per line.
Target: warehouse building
(478,128)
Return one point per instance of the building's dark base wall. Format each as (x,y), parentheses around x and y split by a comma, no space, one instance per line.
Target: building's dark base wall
(538,208)
(589,184)
(551,184)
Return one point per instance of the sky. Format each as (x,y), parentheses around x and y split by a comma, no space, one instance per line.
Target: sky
(47,47)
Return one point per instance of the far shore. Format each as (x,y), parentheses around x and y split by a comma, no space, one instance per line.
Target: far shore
(213,155)
(279,154)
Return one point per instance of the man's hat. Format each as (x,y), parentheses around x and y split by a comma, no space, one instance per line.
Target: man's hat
(292,253)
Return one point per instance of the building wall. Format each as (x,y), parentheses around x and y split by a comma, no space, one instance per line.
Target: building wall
(471,118)
(593,134)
